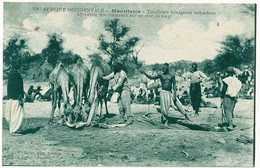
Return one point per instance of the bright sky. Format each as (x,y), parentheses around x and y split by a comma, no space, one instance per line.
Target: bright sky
(181,37)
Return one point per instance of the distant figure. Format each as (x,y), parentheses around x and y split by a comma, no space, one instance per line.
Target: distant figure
(230,89)
(37,92)
(30,90)
(247,75)
(141,97)
(168,93)
(150,96)
(185,98)
(29,95)
(47,95)
(14,105)
(195,89)
(217,81)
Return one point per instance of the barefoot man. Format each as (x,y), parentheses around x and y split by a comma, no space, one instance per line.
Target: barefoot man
(14,105)
(230,90)
(168,93)
(195,89)
(121,87)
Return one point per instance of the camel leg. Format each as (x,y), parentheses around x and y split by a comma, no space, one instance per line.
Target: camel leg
(102,115)
(80,101)
(54,105)
(74,96)
(92,112)
(65,92)
(78,105)
(59,101)
(80,94)
(85,93)
(61,115)
(101,108)
(83,102)
(105,100)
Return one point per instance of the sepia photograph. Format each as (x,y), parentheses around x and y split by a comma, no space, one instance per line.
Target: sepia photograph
(128,84)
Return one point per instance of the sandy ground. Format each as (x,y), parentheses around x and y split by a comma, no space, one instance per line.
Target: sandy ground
(139,144)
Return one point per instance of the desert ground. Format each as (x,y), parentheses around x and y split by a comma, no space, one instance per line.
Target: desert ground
(142,143)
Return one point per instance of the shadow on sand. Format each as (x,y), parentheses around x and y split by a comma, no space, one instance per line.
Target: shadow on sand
(30,130)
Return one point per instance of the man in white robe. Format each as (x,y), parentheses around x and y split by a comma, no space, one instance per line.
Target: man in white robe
(14,105)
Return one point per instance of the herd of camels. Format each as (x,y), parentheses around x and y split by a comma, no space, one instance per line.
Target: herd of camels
(89,92)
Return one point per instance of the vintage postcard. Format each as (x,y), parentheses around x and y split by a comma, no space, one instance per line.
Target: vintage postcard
(128,84)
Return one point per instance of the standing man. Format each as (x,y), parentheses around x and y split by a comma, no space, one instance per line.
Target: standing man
(168,93)
(14,105)
(121,87)
(230,89)
(195,89)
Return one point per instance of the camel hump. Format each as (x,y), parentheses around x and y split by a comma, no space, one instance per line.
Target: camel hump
(80,75)
(59,70)
(80,69)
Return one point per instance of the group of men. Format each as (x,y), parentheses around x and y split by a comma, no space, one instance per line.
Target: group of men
(168,94)
(33,94)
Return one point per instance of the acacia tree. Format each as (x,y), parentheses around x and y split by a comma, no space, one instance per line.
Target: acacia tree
(135,55)
(234,52)
(54,49)
(118,45)
(15,50)
(249,51)
(208,66)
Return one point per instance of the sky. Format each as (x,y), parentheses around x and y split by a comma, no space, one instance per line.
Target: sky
(192,37)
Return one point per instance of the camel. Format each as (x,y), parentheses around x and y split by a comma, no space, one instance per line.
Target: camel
(80,76)
(60,84)
(98,88)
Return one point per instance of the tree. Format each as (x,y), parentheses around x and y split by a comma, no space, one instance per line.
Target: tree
(54,49)
(15,50)
(69,58)
(118,45)
(249,9)
(135,55)
(208,66)
(235,51)
(156,67)
(180,66)
(249,51)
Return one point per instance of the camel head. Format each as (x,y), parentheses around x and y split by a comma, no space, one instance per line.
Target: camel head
(58,64)
(76,113)
(98,61)
(79,62)
(69,113)
(87,107)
